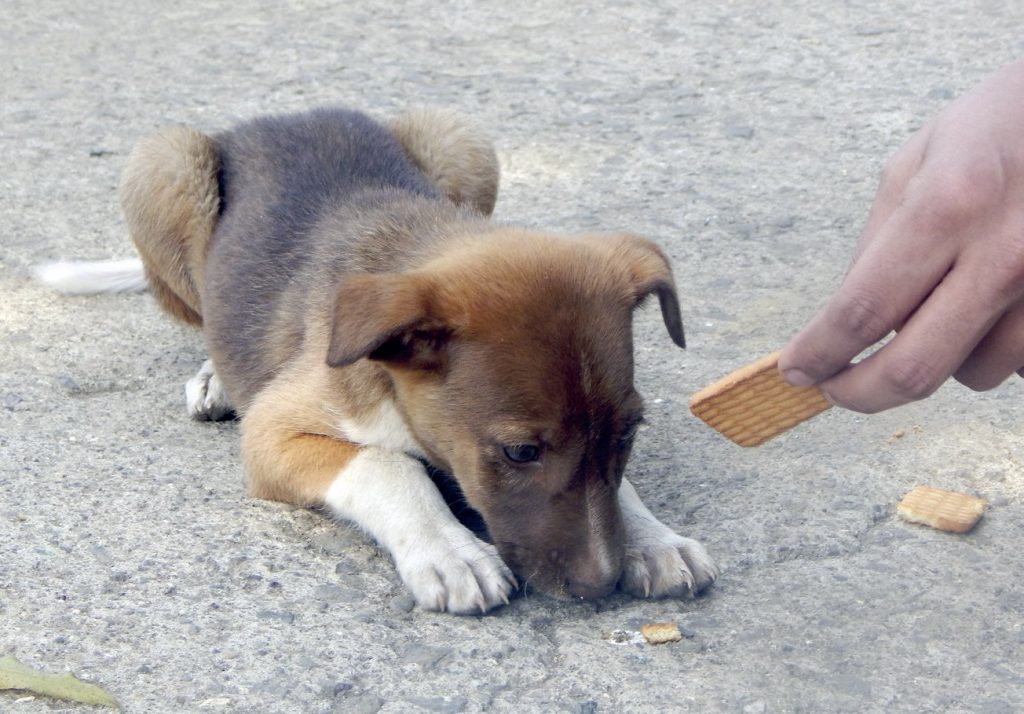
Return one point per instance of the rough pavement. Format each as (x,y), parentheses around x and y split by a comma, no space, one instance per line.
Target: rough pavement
(744,136)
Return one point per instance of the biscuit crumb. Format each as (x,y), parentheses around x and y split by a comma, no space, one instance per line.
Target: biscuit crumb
(659,633)
(943,510)
(623,637)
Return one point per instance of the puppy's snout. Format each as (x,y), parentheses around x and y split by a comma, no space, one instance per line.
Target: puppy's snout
(588,578)
(590,590)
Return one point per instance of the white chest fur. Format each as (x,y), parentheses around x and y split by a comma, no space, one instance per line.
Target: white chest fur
(383,427)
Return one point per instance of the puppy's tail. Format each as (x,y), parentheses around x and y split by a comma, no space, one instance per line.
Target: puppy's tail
(92,277)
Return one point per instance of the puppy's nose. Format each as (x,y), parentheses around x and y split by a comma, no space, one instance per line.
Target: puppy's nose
(590,590)
(585,575)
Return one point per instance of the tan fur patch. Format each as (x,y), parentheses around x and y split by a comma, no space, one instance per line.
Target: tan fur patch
(291,442)
(170,199)
(453,152)
(286,460)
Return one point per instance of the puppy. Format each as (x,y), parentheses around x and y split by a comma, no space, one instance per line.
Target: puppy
(364,316)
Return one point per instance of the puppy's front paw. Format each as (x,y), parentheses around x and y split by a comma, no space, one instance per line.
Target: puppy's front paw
(664,564)
(205,396)
(453,570)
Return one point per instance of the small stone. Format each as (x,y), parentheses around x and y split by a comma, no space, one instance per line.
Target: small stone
(426,656)
(873,30)
(215,703)
(739,131)
(440,704)
(943,93)
(331,543)
(337,689)
(101,554)
(70,384)
(334,593)
(746,231)
(366,703)
(782,222)
(287,617)
(403,603)
(687,109)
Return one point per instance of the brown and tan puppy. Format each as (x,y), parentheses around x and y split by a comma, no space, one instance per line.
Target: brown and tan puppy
(364,315)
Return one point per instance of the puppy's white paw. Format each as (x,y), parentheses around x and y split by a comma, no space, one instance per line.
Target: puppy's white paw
(205,397)
(446,567)
(660,563)
(453,570)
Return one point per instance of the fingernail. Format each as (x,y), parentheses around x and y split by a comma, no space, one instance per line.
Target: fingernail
(797,378)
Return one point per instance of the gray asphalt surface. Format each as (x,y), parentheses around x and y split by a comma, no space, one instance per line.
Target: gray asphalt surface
(744,136)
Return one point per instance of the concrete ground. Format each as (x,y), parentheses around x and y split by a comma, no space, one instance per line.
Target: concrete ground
(744,136)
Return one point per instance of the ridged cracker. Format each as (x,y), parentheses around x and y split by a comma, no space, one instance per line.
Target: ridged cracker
(944,510)
(754,403)
(660,633)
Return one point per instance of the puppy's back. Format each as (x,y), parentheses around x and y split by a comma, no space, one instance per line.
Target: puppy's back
(279,177)
(298,165)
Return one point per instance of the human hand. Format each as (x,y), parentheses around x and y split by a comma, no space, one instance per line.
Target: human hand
(940,260)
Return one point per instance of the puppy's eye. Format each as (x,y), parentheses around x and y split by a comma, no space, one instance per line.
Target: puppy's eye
(522,453)
(631,429)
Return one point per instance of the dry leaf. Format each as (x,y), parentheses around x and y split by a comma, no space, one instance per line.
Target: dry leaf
(15,675)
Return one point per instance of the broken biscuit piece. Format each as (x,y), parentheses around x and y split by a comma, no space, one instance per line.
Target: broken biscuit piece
(941,509)
(660,633)
(755,403)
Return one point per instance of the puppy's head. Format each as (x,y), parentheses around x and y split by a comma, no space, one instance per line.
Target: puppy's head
(512,359)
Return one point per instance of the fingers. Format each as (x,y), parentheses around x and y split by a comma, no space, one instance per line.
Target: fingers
(941,259)
(893,183)
(862,312)
(999,354)
(892,276)
(933,344)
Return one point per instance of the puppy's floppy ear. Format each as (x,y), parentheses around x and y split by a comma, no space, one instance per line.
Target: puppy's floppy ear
(650,273)
(385,317)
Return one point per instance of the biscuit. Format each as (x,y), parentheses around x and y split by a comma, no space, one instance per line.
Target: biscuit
(755,403)
(943,510)
(661,633)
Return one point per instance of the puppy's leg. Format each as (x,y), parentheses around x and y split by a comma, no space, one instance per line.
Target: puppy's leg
(390,496)
(386,493)
(453,153)
(205,397)
(171,199)
(659,562)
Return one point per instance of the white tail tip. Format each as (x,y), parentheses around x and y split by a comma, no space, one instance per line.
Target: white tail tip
(91,277)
